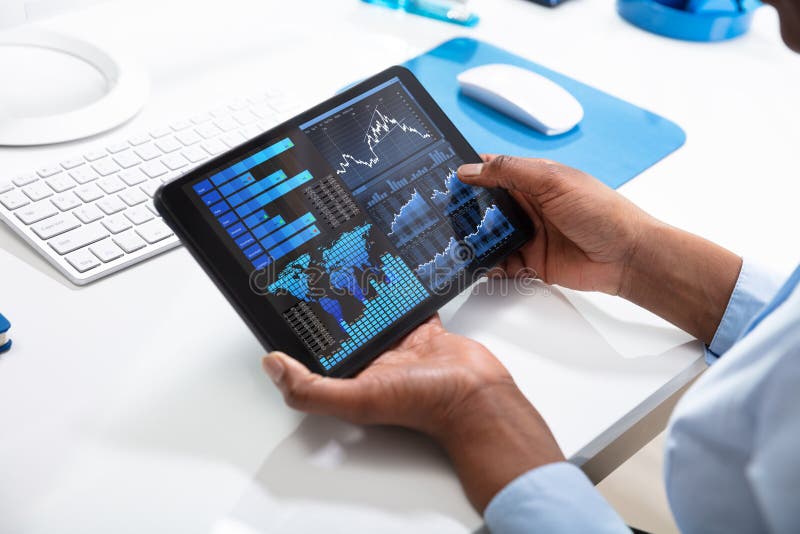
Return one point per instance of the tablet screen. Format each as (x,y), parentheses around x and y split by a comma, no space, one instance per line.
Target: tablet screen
(351,219)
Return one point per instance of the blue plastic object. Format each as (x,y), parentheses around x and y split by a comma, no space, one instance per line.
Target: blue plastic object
(445,10)
(695,20)
(4,327)
(615,141)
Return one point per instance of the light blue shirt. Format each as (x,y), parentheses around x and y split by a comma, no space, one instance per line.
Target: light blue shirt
(733,448)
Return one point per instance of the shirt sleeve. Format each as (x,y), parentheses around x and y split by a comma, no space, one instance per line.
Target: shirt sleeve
(553,498)
(773,470)
(754,288)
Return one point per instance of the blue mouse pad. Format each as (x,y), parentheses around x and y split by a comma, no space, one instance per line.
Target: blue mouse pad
(614,142)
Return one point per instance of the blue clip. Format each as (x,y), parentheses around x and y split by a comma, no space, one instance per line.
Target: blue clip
(690,20)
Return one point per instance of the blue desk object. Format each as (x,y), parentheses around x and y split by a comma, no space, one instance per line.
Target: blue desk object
(690,20)
(615,141)
(4,328)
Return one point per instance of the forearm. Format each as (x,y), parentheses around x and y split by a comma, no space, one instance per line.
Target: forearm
(682,278)
(494,437)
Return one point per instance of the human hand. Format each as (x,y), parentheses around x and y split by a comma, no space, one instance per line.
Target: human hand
(591,238)
(587,233)
(447,386)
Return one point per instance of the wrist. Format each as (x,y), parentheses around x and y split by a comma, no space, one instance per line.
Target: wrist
(681,277)
(493,437)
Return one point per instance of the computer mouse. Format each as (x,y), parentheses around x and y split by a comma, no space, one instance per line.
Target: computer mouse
(523,95)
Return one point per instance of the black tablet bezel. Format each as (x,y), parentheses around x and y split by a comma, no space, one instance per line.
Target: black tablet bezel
(265,321)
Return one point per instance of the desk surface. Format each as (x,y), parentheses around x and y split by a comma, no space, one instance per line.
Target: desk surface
(137,404)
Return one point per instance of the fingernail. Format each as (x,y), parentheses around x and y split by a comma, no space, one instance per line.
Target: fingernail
(470,170)
(274,366)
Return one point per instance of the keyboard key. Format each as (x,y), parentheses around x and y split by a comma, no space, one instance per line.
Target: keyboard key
(151,187)
(213,146)
(14,199)
(104,167)
(180,125)
(61,183)
(83,261)
(89,192)
(174,161)
(233,139)
(168,144)
(126,160)
(152,208)
(66,201)
(5,186)
(112,184)
(50,170)
(244,117)
(106,250)
(116,148)
(71,163)
(208,130)
(138,215)
(195,154)
(148,152)
(94,155)
(226,124)
(84,175)
(37,191)
(238,104)
(153,169)
(110,205)
(132,197)
(201,118)
(154,231)
(36,212)
(54,226)
(188,138)
(129,241)
(160,132)
(132,176)
(116,223)
(139,139)
(80,237)
(88,213)
(251,131)
(25,179)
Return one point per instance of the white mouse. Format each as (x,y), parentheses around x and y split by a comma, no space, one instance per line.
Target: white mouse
(523,95)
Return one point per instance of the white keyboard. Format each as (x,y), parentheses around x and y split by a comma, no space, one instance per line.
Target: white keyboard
(93,214)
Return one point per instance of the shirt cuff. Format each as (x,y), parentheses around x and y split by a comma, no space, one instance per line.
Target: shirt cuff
(553,498)
(754,288)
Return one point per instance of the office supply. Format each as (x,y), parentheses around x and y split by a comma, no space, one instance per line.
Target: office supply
(455,11)
(5,341)
(615,141)
(91,214)
(128,85)
(523,95)
(336,233)
(695,20)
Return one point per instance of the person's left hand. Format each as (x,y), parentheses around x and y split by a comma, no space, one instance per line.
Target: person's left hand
(447,386)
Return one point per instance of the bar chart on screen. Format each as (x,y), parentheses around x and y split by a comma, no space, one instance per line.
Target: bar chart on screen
(245,199)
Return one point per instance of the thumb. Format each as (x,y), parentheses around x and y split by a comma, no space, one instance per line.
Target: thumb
(310,392)
(531,176)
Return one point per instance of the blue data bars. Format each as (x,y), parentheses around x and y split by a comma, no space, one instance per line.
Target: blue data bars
(248,163)
(287,230)
(294,242)
(255,189)
(276,192)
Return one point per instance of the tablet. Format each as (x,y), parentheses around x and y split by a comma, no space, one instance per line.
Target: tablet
(336,233)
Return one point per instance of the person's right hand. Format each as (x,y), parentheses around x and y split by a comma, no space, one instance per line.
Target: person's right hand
(586,232)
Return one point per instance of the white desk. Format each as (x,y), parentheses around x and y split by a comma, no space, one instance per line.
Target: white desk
(137,404)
